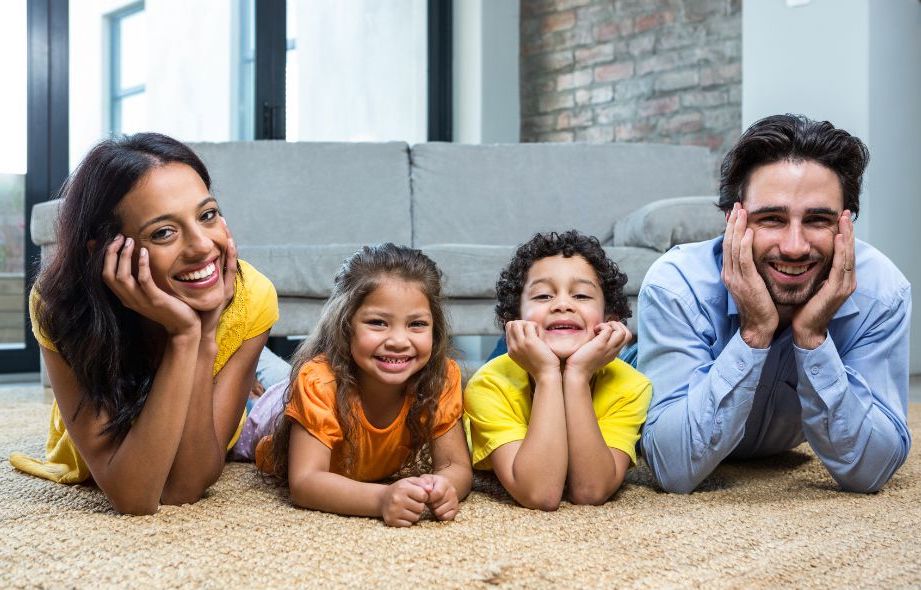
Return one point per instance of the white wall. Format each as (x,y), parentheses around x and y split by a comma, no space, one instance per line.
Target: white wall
(188,78)
(486,105)
(361,73)
(856,63)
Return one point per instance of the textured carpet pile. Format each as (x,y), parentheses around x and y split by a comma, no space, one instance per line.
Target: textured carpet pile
(766,523)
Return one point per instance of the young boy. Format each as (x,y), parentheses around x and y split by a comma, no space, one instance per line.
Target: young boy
(559,411)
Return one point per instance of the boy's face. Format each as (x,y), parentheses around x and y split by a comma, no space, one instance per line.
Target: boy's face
(563,296)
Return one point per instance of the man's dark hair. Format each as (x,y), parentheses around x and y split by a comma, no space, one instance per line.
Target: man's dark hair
(571,243)
(794,138)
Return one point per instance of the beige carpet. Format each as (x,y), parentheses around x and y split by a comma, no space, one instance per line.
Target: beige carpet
(768,523)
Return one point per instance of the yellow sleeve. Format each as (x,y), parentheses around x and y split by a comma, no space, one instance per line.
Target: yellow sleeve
(262,308)
(34,303)
(621,399)
(497,409)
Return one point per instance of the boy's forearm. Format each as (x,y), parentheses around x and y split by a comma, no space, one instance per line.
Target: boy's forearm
(541,462)
(592,475)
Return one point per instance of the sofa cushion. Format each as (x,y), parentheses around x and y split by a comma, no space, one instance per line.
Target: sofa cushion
(299,270)
(663,224)
(503,194)
(471,271)
(275,192)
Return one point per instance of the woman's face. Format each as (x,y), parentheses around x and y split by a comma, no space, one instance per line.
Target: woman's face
(171,213)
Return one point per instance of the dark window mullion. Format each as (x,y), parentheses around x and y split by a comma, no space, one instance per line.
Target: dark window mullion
(440,70)
(269,91)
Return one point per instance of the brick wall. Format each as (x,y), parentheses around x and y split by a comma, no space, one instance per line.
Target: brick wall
(663,71)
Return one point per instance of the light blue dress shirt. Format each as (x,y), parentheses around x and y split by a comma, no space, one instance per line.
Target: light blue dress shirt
(716,397)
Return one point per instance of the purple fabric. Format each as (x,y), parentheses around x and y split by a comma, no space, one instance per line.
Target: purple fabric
(260,421)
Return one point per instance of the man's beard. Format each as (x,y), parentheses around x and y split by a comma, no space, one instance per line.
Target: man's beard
(792,296)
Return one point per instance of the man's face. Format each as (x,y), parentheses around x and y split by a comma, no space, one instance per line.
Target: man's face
(793,209)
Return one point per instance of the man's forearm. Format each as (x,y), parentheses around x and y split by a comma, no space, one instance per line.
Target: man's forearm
(691,430)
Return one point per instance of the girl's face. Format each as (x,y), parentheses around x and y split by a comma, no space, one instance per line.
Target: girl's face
(170,212)
(391,336)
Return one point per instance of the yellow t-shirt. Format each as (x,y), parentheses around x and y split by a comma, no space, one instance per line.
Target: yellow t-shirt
(253,310)
(497,406)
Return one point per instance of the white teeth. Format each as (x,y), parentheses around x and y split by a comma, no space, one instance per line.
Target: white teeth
(791,270)
(198,274)
(392,361)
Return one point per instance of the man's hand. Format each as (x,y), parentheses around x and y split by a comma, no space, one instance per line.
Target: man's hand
(810,322)
(442,500)
(757,313)
(403,501)
(609,338)
(526,348)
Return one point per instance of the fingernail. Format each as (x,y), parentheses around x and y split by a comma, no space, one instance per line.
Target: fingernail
(118,237)
(128,241)
(143,253)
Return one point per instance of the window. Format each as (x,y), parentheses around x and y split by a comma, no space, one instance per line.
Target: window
(127,70)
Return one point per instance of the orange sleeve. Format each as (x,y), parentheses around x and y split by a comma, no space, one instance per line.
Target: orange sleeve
(450,404)
(313,402)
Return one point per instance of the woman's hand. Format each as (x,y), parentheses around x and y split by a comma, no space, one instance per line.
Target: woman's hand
(210,319)
(141,294)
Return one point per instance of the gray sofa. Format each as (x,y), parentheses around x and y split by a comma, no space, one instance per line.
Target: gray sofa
(298,209)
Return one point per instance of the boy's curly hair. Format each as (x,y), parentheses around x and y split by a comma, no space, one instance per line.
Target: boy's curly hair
(571,243)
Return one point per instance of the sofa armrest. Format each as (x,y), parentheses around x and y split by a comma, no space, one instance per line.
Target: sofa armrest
(44,222)
(667,222)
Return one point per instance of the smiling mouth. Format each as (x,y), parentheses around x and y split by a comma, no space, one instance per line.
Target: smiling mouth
(198,275)
(564,327)
(394,362)
(791,270)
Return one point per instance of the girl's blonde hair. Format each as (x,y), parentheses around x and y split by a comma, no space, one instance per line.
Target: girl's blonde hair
(358,277)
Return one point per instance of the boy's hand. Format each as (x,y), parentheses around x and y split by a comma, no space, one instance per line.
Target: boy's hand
(610,338)
(403,502)
(526,348)
(442,500)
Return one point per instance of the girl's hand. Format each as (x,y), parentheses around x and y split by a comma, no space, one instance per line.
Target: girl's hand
(442,500)
(210,319)
(526,348)
(610,338)
(141,294)
(403,502)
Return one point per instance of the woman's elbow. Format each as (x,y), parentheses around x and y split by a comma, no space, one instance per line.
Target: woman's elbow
(592,495)
(544,500)
(135,506)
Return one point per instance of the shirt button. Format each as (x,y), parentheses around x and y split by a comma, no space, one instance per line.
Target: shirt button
(740,365)
(814,370)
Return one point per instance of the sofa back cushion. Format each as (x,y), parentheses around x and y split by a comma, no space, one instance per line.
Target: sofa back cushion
(503,194)
(281,193)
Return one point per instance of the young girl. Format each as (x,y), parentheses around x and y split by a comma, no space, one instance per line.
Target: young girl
(373,395)
(559,411)
(149,326)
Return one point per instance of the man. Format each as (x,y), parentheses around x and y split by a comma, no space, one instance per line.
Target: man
(785,328)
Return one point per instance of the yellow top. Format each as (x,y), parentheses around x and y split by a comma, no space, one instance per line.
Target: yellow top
(253,310)
(497,406)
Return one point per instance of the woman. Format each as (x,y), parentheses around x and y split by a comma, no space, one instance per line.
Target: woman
(150,327)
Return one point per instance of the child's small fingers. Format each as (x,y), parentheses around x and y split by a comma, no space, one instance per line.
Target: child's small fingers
(447,512)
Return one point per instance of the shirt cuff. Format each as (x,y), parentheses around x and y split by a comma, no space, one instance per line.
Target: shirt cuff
(739,365)
(821,367)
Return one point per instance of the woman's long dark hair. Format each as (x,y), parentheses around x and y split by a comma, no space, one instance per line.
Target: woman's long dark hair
(331,340)
(100,338)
